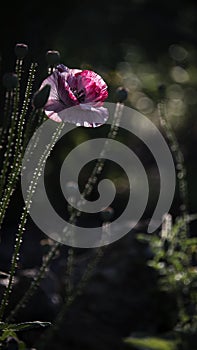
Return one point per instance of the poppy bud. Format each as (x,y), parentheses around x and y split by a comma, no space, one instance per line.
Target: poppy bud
(52,57)
(21,50)
(121,94)
(10,81)
(107,214)
(41,96)
(12,344)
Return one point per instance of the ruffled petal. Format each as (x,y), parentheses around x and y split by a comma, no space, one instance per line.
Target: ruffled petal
(51,109)
(94,86)
(53,116)
(54,105)
(62,68)
(82,115)
(84,91)
(65,93)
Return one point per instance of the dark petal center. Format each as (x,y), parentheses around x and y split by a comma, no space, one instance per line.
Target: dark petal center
(80,95)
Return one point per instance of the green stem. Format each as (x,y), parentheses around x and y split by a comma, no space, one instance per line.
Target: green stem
(91,183)
(24,217)
(12,129)
(5,125)
(35,283)
(29,129)
(70,296)
(99,166)
(7,109)
(17,161)
(179,160)
(26,103)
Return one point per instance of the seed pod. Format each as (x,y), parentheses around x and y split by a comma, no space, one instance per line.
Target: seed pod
(12,344)
(52,57)
(41,96)
(21,50)
(10,81)
(121,94)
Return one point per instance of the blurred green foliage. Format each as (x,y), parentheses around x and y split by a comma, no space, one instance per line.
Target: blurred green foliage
(174,258)
(151,343)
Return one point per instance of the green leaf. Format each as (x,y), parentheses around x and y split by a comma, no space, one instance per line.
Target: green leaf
(27,325)
(152,343)
(21,345)
(15,327)
(2,325)
(143,237)
(10,333)
(7,333)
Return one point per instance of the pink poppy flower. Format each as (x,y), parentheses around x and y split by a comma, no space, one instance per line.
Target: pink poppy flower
(83,89)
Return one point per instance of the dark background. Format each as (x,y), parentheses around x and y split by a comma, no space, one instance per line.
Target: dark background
(106,36)
(103,36)
(96,32)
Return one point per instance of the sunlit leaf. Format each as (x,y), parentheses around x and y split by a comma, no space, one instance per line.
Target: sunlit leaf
(152,343)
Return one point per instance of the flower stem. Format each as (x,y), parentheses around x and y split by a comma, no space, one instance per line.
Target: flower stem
(12,129)
(48,258)
(179,160)
(18,154)
(70,296)
(24,216)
